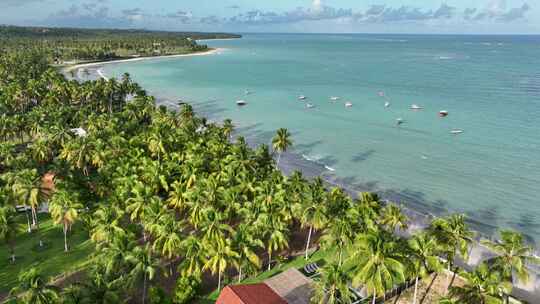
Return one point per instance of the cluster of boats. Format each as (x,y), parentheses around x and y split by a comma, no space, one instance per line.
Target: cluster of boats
(348,104)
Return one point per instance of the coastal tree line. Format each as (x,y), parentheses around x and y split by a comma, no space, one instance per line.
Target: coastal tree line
(61,45)
(163,194)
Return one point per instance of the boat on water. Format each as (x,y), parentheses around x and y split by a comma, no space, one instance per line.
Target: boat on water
(334,98)
(247,92)
(399,121)
(310,105)
(241,103)
(302,97)
(416,107)
(348,104)
(457,131)
(387,104)
(443,113)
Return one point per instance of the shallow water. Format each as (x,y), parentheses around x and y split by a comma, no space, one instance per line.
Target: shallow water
(489,84)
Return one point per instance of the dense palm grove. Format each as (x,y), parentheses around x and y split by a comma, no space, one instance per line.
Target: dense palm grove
(61,44)
(167,194)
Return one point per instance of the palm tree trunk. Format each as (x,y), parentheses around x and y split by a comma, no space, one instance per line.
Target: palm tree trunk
(278,159)
(374,297)
(308,240)
(415,290)
(269,259)
(144,289)
(240,274)
(65,238)
(12,253)
(28,220)
(340,256)
(34,217)
(218,282)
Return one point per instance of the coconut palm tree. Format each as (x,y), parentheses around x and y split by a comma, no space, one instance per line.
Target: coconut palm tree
(377,263)
(220,255)
(332,286)
(64,209)
(9,228)
(167,232)
(27,185)
(33,289)
(314,214)
(281,142)
(513,256)
(482,286)
(227,128)
(144,265)
(453,234)
(425,258)
(393,218)
(245,243)
(194,256)
(106,224)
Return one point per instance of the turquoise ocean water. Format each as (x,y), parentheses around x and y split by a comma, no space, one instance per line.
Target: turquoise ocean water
(490,85)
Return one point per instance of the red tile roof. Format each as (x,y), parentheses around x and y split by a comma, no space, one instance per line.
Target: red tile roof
(249,294)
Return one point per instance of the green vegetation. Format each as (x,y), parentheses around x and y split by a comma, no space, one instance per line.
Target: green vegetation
(144,195)
(50,260)
(61,45)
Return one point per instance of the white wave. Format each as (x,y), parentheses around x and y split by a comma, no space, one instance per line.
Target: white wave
(100,73)
(329,168)
(445,58)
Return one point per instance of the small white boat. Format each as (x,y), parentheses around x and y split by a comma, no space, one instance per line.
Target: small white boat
(302,97)
(416,107)
(247,92)
(399,121)
(334,98)
(387,104)
(443,113)
(456,131)
(310,105)
(241,103)
(348,104)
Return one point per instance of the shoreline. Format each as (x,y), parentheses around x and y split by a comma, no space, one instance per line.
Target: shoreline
(418,215)
(77,66)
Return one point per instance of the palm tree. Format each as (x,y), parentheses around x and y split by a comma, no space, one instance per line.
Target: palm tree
(339,234)
(106,224)
(332,286)
(219,256)
(168,235)
(393,218)
(513,256)
(113,255)
(9,228)
(194,256)
(32,288)
(143,264)
(27,186)
(227,128)
(377,263)
(482,286)
(425,258)
(245,243)
(454,235)
(64,210)
(281,142)
(314,215)
(277,239)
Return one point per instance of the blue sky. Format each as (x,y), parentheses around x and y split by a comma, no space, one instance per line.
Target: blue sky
(370,16)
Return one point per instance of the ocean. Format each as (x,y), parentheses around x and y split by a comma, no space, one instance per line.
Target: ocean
(490,86)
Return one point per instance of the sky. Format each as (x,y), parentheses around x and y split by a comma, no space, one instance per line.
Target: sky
(310,16)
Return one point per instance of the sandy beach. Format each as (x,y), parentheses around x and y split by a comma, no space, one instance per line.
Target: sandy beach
(101,63)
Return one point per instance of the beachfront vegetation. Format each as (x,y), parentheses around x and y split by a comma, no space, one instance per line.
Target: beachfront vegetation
(61,45)
(162,196)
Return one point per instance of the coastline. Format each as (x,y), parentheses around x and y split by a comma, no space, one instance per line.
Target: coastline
(77,66)
(417,212)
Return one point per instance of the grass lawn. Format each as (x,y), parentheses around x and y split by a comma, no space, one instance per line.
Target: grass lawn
(51,260)
(298,263)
